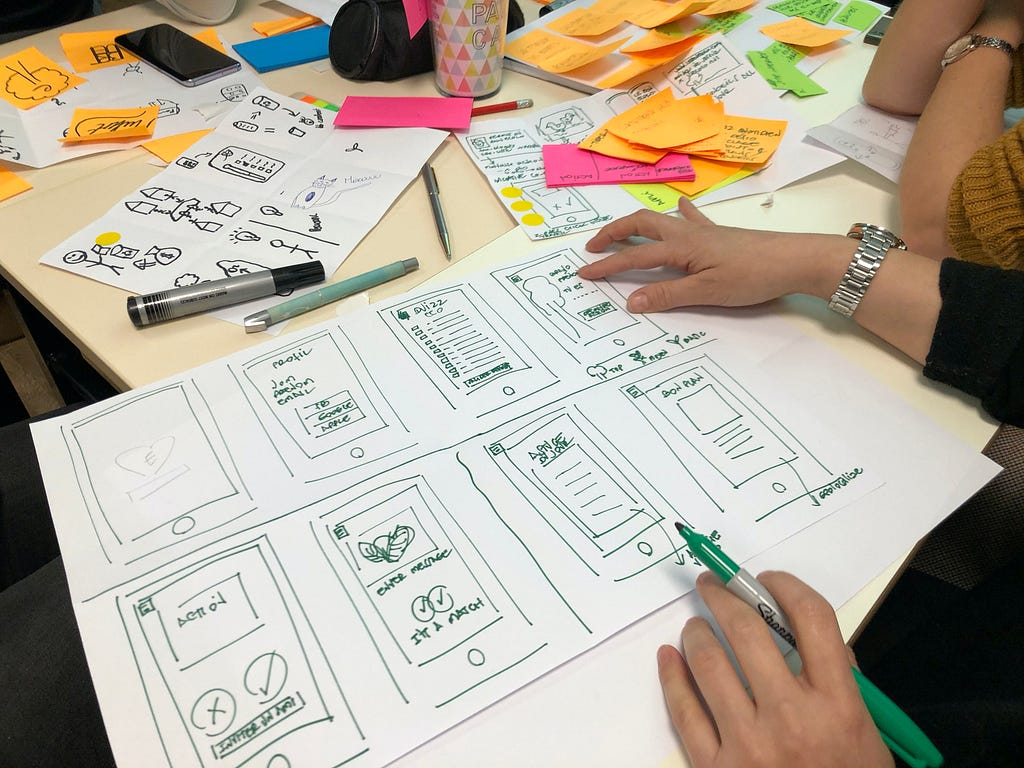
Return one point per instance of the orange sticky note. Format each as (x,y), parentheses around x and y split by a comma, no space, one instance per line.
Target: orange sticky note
(606,143)
(726,6)
(170,148)
(109,124)
(667,53)
(288,24)
(682,121)
(654,14)
(11,184)
(652,41)
(209,36)
(751,139)
(87,51)
(583,22)
(557,54)
(709,173)
(797,31)
(28,78)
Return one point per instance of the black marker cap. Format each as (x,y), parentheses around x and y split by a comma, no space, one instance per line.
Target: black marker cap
(298,275)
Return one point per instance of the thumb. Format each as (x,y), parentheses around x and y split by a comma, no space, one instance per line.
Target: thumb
(657,297)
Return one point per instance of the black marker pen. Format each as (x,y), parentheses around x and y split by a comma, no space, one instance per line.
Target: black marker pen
(202,297)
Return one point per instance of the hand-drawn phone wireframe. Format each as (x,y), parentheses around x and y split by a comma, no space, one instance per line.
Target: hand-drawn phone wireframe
(560,462)
(585,318)
(466,350)
(453,626)
(730,433)
(325,402)
(228,664)
(154,471)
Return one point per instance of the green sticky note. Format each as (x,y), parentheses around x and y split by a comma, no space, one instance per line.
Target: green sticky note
(781,74)
(724,23)
(819,11)
(784,52)
(658,197)
(858,15)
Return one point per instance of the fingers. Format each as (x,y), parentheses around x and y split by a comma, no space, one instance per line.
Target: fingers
(691,720)
(718,682)
(824,653)
(690,211)
(640,224)
(751,641)
(646,256)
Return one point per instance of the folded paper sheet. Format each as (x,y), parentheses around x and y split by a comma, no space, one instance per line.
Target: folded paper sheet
(342,543)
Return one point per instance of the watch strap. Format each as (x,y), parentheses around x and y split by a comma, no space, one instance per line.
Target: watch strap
(874,244)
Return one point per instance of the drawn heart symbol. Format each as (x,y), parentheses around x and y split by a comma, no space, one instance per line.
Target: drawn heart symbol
(146,460)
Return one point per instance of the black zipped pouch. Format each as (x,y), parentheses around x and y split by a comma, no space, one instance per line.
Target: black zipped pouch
(369,40)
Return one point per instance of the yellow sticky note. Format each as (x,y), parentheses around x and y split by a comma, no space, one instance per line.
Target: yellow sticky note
(288,24)
(652,41)
(557,54)
(209,36)
(583,22)
(11,184)
(109,124)
(28,78)
(170,148)
(799,31)
(605,143)
(751,139)
(87,51)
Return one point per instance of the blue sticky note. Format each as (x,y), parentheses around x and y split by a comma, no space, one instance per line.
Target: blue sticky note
(287,50)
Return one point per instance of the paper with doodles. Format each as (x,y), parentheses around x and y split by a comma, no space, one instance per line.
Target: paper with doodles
(332,547)
(274,184)
(34,137)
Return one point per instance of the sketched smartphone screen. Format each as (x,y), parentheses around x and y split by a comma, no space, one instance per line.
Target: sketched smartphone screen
(177,54)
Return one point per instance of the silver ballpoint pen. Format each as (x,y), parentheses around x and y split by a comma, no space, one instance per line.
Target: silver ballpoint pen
(435,208)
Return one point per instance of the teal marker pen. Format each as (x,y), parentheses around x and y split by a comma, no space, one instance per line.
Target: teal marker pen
(898,731)
(259,321)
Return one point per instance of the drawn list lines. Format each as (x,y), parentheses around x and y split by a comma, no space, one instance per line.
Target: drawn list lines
(154,470)
(464,350)
(233,663)
(410,581)
(604,520)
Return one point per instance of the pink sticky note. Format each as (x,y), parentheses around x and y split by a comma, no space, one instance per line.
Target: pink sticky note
(566,165)
(450,113)
(415,15)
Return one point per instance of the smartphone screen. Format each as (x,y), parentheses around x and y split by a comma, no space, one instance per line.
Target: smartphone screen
(177,54)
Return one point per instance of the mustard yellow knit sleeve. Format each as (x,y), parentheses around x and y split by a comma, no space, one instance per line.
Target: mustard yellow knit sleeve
(1015,88)
(985,212)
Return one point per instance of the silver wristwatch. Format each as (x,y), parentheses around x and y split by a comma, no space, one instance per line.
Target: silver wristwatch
(972,42)
(875,242)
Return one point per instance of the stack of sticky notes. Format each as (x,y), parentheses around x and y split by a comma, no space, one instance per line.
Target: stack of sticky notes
(718,145)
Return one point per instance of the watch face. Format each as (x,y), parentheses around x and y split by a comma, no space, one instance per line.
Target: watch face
(959,48)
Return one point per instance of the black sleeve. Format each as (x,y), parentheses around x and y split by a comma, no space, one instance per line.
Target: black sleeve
(978,345)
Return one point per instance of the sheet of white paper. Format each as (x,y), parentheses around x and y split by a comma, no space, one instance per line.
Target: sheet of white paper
(32,137)
(274,184)
(325,10)
(869,136)
(344,543)
(508,152)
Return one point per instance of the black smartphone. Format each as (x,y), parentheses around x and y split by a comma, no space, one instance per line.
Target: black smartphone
(177,54)
(874,35)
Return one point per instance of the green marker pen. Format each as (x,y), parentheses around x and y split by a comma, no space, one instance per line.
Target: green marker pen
(898,731)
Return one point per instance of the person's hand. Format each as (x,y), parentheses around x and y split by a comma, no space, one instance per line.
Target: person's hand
(721,266)
(816,718)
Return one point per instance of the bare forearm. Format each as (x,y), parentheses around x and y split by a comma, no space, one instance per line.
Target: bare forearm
(905,68)
(964,113)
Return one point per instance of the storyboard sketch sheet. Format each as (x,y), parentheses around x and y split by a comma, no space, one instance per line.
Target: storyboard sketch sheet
(330,548)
